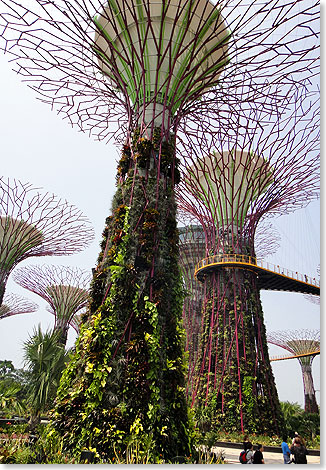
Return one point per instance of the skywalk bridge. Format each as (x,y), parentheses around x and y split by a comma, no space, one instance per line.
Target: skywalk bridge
(270,276)
(294,356)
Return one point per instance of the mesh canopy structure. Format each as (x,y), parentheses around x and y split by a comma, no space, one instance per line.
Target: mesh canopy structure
(15,305)
(64,288)
(107,65)
(37,224)
(300,343)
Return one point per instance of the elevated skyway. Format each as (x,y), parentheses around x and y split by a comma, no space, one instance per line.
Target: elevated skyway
(294,356)
(270,276)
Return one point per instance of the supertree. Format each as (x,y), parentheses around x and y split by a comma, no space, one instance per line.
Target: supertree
(64,288)
(149,67)
(304,344)
(36,224)
(15,304)
(249,172)
(192,250)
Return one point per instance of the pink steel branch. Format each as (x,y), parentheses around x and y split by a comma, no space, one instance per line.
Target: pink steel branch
(36,224)
(15,305)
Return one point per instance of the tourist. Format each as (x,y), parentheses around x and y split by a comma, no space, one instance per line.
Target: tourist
(299,451)
(258,455)
(286,450)
(250,453)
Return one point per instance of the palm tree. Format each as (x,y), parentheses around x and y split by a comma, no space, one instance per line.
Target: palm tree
(46,359)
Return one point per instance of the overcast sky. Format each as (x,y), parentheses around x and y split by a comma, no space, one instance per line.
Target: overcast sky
(38,147)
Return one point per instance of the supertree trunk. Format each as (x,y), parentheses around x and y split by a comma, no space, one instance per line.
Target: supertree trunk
(310,403)
(235,385)
(135,385)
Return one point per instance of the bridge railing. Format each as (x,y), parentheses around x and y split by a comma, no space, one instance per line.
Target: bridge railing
(253,261)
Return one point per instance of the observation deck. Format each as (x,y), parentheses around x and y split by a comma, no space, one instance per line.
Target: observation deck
(270,276)
(294,356)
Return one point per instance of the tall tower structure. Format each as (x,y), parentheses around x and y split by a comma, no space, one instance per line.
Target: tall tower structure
(15,305)
(304,344)
(262,172)
(36,224)
(64,288)
(149,67)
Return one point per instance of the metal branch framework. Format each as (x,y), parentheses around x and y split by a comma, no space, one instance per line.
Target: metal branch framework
(251,171)
(110,65)
(36,224)
(232,184)
(155,76)
(301,342)
(64,288)
(15,305)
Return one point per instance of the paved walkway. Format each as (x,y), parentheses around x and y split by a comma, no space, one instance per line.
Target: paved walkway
(232,456)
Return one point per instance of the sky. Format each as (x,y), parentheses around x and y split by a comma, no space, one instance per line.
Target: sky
(39,147)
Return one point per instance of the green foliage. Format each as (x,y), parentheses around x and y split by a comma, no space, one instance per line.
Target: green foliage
(125,384)
(14,390)
(296,419)
(46,359)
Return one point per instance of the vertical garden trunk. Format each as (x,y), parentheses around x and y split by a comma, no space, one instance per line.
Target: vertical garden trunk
(125,384)
(310,403)
(235,385)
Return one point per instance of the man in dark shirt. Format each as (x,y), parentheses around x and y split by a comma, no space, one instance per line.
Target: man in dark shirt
(258,455)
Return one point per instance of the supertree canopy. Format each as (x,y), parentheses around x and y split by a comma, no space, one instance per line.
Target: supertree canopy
(149,68)
(14,305)
(304,344)
(246,175)
(64,288)
(36,224)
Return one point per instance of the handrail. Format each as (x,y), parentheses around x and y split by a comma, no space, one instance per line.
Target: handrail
(253,261)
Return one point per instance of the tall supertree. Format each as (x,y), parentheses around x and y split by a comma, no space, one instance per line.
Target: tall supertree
(64,288)
(304,344)
(15,304)
(36,224)
(149,67)
(192,251)
(250,172)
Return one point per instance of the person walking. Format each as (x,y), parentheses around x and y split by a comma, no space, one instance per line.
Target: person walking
(258,455)
(286,450)
(299,451)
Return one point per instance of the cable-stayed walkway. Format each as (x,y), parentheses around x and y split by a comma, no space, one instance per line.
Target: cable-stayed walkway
(270,276)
